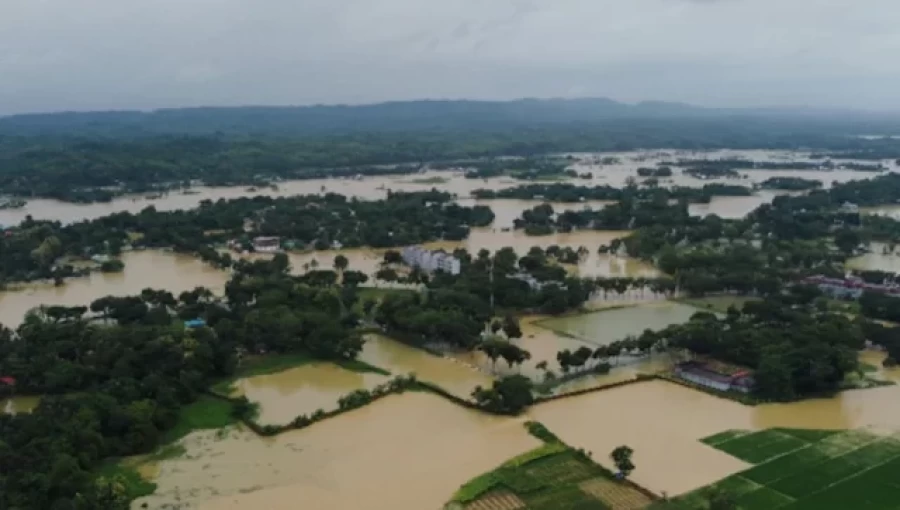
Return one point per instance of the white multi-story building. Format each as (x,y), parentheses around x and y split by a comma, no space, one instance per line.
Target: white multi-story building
(430,261)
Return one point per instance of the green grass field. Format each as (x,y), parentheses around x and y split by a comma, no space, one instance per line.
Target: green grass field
(806,470)
(551,477)
(205,413)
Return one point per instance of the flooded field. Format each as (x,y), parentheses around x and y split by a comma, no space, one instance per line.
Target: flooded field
(156,269)
(606,326)
(407,452)
(376,187)
(284,395)
(881,257)
(16,405)
(663,423)
(450,374)
(544,337)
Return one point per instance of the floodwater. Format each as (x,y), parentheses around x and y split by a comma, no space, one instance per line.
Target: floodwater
(881,257)
(594,264)
(16,405)
(454,182)
(663,422)
(450,374)
(406,452)
(606,326)
(155,269)
(284,395)
(543,337)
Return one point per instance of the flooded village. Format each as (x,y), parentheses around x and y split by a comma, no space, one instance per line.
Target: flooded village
(412,450)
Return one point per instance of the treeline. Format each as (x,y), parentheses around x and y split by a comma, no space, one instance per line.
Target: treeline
(454,310)
(93,156)
(790,183)
(113,385)
(565,192)
(795,349)
(713,165)
(625,215)
(31,250)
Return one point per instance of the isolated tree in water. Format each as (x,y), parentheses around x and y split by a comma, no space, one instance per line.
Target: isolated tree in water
(621,457)
(340,263)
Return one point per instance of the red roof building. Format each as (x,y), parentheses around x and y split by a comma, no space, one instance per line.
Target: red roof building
(8,381)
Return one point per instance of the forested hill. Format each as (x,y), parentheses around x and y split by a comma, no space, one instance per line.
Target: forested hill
(439,116)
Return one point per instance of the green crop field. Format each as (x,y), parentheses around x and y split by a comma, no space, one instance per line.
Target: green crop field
(551,477)
(806,470)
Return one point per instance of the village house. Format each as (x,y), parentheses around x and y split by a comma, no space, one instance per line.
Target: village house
(849,288)
(430,261)
(267,244)
(715,378)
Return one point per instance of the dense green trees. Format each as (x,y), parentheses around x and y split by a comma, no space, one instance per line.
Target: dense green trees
(32,249)
(113,387)
(790,183)
(565,192)
(795,349)
(508,395)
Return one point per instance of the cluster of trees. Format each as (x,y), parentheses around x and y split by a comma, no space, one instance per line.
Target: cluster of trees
(712,172)
(662,171)
(454,310)
(31,250)
(114,384)
(520,168)
(794,347)
(746,164)
(567,192)
(507,395)
(790,183)
(624,215)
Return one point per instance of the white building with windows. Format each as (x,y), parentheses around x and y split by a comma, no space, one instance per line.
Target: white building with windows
(430,261)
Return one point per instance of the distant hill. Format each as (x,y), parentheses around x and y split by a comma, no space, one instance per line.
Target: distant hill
(431,115)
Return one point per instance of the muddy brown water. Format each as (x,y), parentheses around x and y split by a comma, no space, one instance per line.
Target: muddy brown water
(450,374)
(284,395)
(16,405)
(543,337)
(406,452)
(881,257)
(155,269)
(455,182)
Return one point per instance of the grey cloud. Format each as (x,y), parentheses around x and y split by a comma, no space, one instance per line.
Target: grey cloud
(99,54)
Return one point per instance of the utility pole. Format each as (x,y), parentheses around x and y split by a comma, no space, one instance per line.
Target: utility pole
(492,284)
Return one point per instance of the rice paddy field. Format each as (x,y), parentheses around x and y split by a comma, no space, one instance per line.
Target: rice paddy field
(807,470)
(551,477)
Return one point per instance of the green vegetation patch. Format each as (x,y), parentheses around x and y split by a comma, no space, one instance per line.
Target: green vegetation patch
(809,435)
(722,437)
(832,470)
(758,447)
(785,465)
(205,413)
(567,497)
(134,485)
(483,483)
(763,498)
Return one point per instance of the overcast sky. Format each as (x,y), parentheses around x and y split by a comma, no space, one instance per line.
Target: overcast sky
(114,54)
